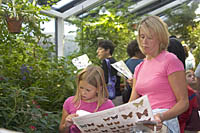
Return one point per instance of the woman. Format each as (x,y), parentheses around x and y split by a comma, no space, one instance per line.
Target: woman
(161,75)
(135,57)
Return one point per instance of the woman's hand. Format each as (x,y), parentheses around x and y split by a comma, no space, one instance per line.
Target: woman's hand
(158,119)
(68,120)
(158,125)
(130,81)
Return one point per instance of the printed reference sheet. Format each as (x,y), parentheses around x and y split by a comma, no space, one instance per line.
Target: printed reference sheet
(129,117)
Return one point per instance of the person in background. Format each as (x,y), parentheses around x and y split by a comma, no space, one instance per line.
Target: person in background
(192,79)
(105,51)
(135,57)
(160,76)
(190,60)
(177,48)
(91,95)
(197,74)
(186,117)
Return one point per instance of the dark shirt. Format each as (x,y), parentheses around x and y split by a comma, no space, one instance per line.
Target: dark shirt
(113,72)
(132,63)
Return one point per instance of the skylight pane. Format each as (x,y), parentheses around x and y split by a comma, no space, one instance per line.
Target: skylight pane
(61,3)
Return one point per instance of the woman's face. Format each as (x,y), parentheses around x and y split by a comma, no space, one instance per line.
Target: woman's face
(88,92)
(149,43)
(102,53)
(190,77)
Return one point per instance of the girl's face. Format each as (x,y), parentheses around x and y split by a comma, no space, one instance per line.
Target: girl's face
(190,77)
(149,43)
(87,91)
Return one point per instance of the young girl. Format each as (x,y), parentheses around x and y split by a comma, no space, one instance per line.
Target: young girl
(91,96)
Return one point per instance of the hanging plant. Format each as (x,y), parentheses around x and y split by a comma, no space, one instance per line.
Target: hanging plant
(15,12)
(14,24)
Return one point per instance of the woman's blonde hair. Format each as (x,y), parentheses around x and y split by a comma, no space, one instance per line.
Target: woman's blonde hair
(94,75)
(158,27)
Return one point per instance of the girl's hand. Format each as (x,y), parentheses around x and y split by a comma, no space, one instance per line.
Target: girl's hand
(68,120)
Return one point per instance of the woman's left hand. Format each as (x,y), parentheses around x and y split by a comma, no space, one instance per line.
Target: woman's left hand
(158,119)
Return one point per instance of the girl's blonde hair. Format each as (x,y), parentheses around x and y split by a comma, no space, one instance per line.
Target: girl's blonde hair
(158,27)
(94,75)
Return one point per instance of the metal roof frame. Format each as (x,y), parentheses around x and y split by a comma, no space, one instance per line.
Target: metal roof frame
(78,7)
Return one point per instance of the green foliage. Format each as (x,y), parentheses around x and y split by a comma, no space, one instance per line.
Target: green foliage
(180,18)
(183,23)
(33,82)
(194,33)
(112,26)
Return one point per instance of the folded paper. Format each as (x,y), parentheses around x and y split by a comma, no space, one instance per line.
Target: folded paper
(81,62)
(121,67)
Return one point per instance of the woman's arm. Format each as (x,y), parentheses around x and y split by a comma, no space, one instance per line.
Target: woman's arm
(134,94)
(179,86)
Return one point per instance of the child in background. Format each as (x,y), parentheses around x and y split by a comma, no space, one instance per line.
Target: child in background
(184,117)
(91,96)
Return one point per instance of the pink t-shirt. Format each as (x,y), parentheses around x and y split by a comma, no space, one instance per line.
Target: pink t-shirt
(90,107)
(152,79)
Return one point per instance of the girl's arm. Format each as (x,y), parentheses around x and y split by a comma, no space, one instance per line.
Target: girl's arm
(179,86)
(66,121)
(63,126)
(134,94)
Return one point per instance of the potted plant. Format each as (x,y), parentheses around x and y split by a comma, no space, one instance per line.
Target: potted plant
(15,12)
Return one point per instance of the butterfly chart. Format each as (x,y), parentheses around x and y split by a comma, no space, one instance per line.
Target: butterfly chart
(81,62)
(122,68)
(120,119)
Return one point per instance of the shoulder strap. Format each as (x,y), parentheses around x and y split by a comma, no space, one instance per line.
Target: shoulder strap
(109,69)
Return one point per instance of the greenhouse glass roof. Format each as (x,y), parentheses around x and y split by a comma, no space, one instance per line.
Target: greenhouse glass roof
(67,8)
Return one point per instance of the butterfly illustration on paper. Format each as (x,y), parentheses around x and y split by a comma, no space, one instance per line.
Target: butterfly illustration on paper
(95,129)
(117,122)
(130,115)
(92,124)
(104,131)
(138,104)
(106,119)
(139,115)
(114,117)
(121,126)
(87,130)
(130,125)
(113,128)
(82,126)
(109,124)
(101,125)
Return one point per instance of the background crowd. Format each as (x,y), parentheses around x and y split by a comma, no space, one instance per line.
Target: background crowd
(160,70)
